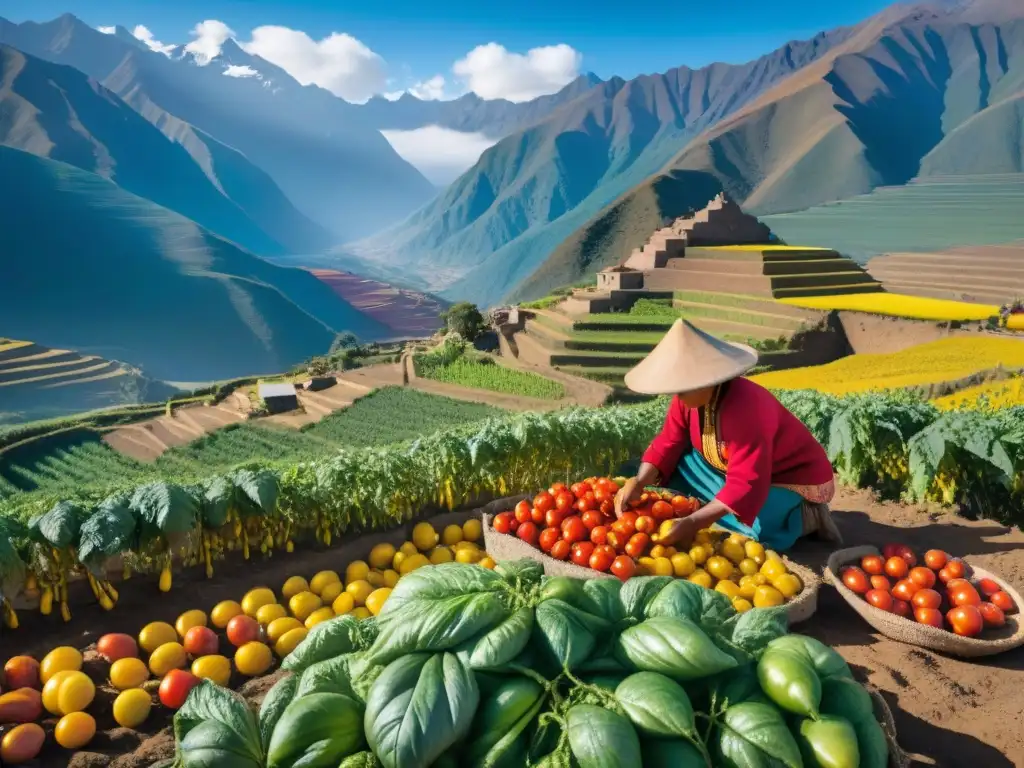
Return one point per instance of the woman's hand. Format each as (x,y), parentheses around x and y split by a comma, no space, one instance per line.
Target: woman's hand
(628,493)
(680,535)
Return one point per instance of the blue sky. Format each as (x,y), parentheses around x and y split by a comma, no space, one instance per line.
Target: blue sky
(420,39)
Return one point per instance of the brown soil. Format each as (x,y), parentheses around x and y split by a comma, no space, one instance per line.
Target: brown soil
(876,334)
(408,313)
(948,712)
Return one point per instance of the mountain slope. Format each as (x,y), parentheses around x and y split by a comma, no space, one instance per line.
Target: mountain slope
(57,112)
(88,266)
(335,169)
(500,220)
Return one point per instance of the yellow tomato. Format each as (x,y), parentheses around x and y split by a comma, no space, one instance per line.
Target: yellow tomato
(487,562)
(253,659)
(270,612)
(376,579)
(739,538)
(451,535)
(303,604)
(663,567)
(411,563)
(788,584)
(748,587)
(128,673)
(51,691)
(376,599)
(216,669)
(155,634)
(701,578)
(741,604)
(279,627)
(468,556)
(424,537)
(75,730)
(64,659)
(357,570)
(747,567)
(223,612)
(75,693)
(465,545)
(728,589)
(319,616)
(732,550)
(719,567)
(323,578)
(760,578)
(189,619)
(399,558)
(768,597)
(382,555)
(472,530)
(699,555)
(361,613)
(290,640)
(293,586)
(344,603)
(703,537)
(771,554)
(131,707)
(255,599)
(360,590)
(773,568)
(408,548)
(331,591)
(754,550)
(646,563)
(657,551)
(682,565)
(167,657)
(440,555)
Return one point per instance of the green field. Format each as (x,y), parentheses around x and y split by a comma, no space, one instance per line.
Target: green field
(70,461)
(493,377)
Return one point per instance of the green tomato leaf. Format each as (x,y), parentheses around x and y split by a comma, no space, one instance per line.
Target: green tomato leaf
(675,647)
(754,735)
(657,706)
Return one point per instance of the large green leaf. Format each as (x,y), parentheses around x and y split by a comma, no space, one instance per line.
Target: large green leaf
(255,492)
(326,640)
(499,646)
(274,704)
(419,706)
(500,712)
(215,502)
(167,508)
(226,718)
(637,593)
(606,595)
(59,527)
(657,706)
(752,631)
(754,735)
(600,738)
(328,676)
(826,662)
(439,582)
(567,633)
(671,753)
(107,532)
(316,731)
(12,569)
(675,647)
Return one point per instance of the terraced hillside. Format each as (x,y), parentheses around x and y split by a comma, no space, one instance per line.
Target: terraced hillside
(38,382)
(987,274)
(407,313)
(604,345)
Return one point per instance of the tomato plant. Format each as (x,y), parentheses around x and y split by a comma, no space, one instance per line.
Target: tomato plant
(965,620)
(856,580)
(879,599)
(873,565)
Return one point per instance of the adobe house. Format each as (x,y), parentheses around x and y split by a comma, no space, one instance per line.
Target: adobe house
(279,398)
(619,278)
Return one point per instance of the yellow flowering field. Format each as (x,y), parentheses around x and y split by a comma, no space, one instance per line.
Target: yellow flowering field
(8,344)
(1015,323)
(932,363)
(996,394)
(897,305)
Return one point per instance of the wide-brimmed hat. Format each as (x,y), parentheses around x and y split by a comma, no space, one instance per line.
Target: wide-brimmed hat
(688,359)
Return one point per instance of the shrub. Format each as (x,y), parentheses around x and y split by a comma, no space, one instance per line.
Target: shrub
(465,319)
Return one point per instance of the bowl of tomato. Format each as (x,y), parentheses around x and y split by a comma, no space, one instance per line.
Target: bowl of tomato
(929,598)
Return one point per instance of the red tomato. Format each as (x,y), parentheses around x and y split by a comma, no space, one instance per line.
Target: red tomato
(624,526)
(630,518)
(112,647)
(544,501)
(905,589)
(646,524)
(662,510)
(891,550)
(200,641)
(589,501)
(503,522)
(557,488)
(581,552)
(599,534)
(989,587)
(637,544)
(529,532)
(175,686)
(856,580)
(935,559)
(907,554)
(964,595)
(564,502)
(879,599)
(591,519)
(242,630)
(1003,601)
(680,506)
(561,550)
(945,576)
(923,577)
(522,512)
(601,558)
(616,541)
(23,672)
(966,620)
(578,489)
(624,567)
(873,565)
(957,568)
(926,598)
(901,608)
(992,615)
(608,509)
(548,537)
(880,582)
(930,616)
(538,515)
(553,518)
(954,584)
(573,529)
(601,496)
(897,567)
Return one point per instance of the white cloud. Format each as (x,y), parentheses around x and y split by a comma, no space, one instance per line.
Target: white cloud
(493,72)
(429,90)
(107,30)
(209,36)
(440,154)
(339,62)
(142,33)
(240,70)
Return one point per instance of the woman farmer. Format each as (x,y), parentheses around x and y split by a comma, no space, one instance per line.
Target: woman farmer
(728,440)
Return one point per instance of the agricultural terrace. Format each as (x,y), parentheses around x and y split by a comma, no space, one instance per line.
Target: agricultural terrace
(898,305)
(70,461)
(946,360)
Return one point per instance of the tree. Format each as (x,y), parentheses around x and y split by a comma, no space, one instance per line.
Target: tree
(344,340)
(318,366)
(465,319)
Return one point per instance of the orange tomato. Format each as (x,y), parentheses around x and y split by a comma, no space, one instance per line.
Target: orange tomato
(581,552)
(637,544)
(902,608)
(945,576)
(523,512)
(681,506)
(879,599)
(992,615)
(645,524)
(614,540)
(905,589)
(965,620)
(557,488)
(544,501)
(873,564)
(880,582)
(591,519)
(956,568)
(964,595)
(573,529)
(548,537)
(564,501)
(624,567)
(935,559)
(599,534)
(856,580)
(897,567)
(989,587)
(553,518)
(907,554)
(662,510)
(926,598)
(890,550)
(503,522)
(561,549)
(956,584)
(930,616)
(923,577)
(1003,601)
(602,557)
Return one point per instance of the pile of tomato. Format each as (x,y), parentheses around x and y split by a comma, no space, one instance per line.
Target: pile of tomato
(938,592)
(577,523)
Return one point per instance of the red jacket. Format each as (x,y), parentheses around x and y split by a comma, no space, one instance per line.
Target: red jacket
(765,445)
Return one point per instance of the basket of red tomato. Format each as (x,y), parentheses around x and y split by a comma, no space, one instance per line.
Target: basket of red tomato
(934,601)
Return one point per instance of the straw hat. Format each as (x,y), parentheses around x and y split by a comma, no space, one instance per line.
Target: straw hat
(688,359)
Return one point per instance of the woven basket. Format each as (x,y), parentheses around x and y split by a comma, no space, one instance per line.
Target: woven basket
(1004,638)
(503,547)
(897,757)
